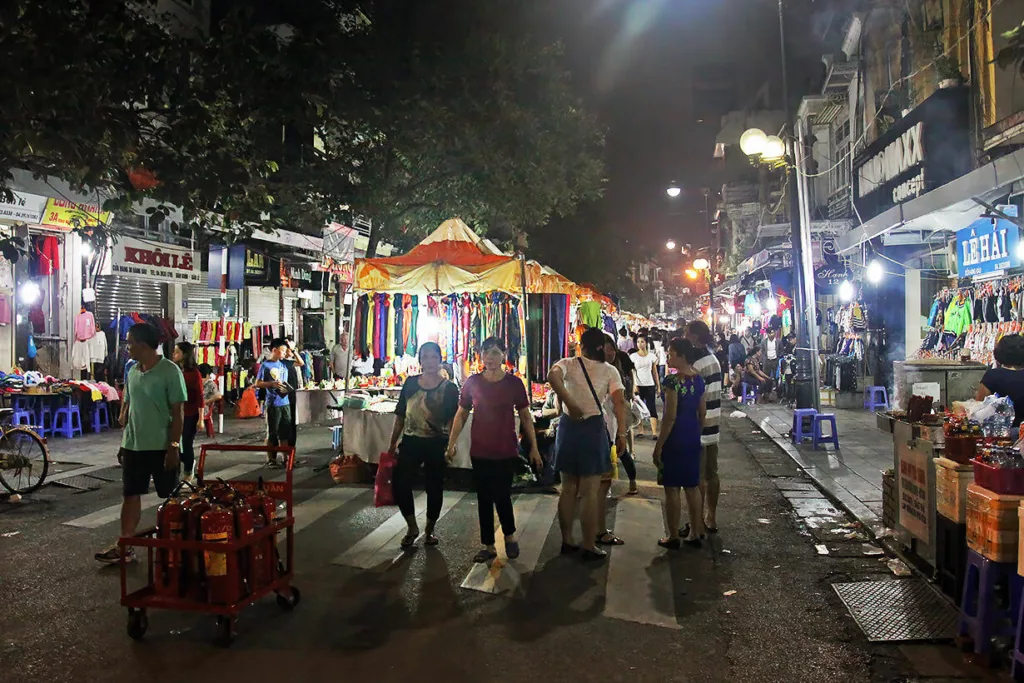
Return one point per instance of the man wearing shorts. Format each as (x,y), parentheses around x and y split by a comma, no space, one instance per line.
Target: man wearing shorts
(273,377)
(152,417)
(710,369)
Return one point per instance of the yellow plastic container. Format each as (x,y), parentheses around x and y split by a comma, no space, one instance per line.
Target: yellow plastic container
(951,482)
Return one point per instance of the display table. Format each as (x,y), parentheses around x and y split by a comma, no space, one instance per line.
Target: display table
(368,433)
(314,405)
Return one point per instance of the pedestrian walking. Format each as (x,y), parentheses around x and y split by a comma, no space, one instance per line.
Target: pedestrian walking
(583,441)
(152,417)
(423,421)
(645,377)
(677,455)
(273,377)
(185,357)
(495,397)
(625,342)
(624,365)
(707,365)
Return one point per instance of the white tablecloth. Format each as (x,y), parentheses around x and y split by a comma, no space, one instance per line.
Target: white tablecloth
(367,434)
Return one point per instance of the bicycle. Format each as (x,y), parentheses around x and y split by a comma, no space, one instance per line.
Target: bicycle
(24,457)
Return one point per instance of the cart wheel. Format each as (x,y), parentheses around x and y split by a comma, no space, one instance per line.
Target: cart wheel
(138,622)
(289,603)
(225,631)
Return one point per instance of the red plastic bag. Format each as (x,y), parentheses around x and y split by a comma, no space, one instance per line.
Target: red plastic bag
(382,493)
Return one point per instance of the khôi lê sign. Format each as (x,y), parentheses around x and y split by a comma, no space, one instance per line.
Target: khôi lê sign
(989,246)
(152,261)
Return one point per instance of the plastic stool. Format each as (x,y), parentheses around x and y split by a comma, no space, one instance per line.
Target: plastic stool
(981,616)
(875,398)
(67,421)
(798,424)
(44,411)
(751,396)
(100,417)
(24,417)
(336,437)
(817,436)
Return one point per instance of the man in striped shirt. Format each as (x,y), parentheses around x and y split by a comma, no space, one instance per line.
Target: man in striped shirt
(709,368)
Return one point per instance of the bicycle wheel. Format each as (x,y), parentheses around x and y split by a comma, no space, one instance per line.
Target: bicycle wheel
(24,460)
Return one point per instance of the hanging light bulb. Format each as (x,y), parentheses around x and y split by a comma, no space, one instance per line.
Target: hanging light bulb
(28,293)
(755,309)
(846,291)
(772,304)
(875,272)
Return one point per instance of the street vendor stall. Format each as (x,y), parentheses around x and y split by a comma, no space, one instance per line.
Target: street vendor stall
(453,288)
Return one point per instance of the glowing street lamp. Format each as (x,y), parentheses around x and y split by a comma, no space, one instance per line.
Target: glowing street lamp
(701,264)
(673,190)
(875,272)
(753,142)
(691,273)
(670,245)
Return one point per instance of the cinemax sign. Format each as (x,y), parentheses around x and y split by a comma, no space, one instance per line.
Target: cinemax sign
(927,148)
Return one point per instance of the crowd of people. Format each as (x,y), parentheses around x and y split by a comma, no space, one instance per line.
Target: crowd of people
(598,394)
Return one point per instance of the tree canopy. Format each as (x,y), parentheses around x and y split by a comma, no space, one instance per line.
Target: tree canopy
(412,125)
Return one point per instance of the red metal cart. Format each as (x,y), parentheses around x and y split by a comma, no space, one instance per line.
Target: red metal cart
(231,555)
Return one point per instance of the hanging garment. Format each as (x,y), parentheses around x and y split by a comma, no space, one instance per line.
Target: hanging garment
(414,334)
(406,322)
(590,312)
(85,326)
(991,314)
(48,252)
(389,328)
(400,332)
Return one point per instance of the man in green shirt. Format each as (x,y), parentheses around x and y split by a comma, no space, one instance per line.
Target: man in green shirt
(151,414)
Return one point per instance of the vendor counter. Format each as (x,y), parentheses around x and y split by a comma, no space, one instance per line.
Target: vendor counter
(314,405)
(367,434)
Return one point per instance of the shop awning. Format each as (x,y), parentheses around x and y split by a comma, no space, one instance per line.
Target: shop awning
(453,258)
(949,208)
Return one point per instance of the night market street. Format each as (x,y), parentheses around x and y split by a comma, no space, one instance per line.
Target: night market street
(644,614)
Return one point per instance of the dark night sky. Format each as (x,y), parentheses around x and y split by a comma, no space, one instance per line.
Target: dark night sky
(636,62)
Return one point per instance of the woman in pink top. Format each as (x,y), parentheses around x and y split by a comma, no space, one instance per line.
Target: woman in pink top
(494,397)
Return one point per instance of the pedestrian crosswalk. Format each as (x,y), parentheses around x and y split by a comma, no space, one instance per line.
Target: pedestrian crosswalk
(638,583)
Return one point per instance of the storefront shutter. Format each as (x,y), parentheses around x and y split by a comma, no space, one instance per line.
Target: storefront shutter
(291,300)
(263,306)
(200,301)
(114,293)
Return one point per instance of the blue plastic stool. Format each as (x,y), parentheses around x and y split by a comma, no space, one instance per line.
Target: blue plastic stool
(981,616)
(818,437)
(67,421)
(875,398)
(336,437)
(798,424)
(24,412)
(751,396)
(100,416)
(44,411)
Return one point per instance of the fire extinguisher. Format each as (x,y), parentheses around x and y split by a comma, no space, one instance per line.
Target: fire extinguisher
(170,522)
(218,526)
(245,525)
(258,569)
(195,576)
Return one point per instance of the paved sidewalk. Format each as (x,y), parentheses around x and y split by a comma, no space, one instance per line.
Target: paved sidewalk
(852,474)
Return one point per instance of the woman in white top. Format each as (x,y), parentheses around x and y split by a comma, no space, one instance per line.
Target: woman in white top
(646,383)
(582,442)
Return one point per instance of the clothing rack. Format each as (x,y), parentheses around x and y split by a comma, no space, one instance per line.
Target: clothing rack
(117,323)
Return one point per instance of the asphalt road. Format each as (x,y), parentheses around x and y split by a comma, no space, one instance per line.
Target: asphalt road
(370,613)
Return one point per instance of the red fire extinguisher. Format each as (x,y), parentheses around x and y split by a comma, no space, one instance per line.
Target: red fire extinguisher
(222,585)
(170,522)
(195,577)
(245,526)
(258,570)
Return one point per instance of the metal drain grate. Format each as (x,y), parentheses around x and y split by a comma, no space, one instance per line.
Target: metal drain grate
(899,610)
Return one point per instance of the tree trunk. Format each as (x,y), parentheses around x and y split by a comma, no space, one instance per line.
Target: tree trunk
(373,240)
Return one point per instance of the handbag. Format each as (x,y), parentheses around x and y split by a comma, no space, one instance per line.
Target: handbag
(383,494)
(593,393)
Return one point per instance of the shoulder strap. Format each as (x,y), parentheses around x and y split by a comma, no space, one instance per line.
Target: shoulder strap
(590,384)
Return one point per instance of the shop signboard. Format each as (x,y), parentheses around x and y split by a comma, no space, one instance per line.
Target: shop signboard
(61,213)
(988,247)
(296,275)
(154,261)
(257,268)
(235,255)
(914,490)
(928,147)
(22,207)
(830,276)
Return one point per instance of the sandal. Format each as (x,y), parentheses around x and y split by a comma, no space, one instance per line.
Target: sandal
(671,543)
(685,532)
(592,556)
(409,540)
(485,555)
(608,538)
(430,539)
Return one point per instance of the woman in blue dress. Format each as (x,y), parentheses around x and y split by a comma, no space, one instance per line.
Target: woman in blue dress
(678,451)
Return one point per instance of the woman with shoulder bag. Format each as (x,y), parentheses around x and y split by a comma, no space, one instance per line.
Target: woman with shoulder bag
(583,444)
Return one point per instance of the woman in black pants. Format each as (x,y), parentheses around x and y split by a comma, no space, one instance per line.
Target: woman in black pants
(423,420)
(494,397)
(624,365)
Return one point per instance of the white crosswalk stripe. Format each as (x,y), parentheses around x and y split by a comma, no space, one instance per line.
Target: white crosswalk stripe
(381,545)
(534,515)
(639,587)
(323,503)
